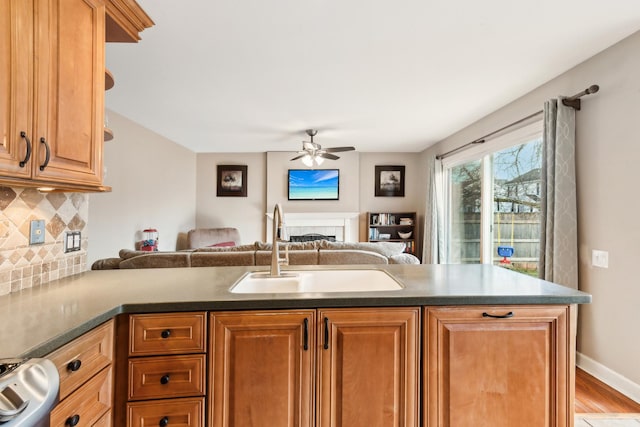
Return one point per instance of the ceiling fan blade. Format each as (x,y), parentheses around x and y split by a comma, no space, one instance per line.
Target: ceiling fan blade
(327,156)
(339,149)
(299,157)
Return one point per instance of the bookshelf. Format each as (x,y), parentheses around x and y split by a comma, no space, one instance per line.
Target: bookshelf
(393,227)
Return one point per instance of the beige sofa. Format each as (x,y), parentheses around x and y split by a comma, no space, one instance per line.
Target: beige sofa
(320,252)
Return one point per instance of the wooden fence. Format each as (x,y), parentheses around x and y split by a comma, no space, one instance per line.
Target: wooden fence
(525,227)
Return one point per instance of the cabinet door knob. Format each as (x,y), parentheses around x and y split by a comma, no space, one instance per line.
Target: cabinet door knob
(72,421)
(166,333)
(164,379)
(47,152)
(27,156)
(74,365)
(164,422)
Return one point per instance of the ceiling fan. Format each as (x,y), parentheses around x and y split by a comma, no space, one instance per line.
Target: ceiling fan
(312,152)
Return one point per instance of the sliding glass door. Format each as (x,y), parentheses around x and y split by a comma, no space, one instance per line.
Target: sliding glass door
(465,211)
(493,209)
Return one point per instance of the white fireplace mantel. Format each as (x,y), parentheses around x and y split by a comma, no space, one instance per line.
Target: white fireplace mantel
(345,224)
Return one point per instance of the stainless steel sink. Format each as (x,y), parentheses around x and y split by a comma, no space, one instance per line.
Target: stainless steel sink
(366,280)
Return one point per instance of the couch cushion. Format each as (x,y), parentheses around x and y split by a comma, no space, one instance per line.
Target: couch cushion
(157,260)
(404,259)
(293,246)
(383,248)
(221,259)
(241,248)
(106,264)
(306,257)
(349,256)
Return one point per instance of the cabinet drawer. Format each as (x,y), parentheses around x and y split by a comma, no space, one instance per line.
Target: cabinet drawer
(104,421)
(170,376)
(83,357)
(156,334)
(89,403)
(178,412)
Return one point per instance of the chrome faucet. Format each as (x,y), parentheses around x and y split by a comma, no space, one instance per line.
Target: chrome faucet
(279,235)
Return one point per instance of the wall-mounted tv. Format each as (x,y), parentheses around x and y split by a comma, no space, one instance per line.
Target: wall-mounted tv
(314,184)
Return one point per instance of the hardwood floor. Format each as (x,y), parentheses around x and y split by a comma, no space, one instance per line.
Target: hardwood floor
(594,396)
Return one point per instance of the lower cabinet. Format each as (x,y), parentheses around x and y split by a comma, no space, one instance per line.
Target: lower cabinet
(188,412)
(88,405)
(86,379)
(456,366)
(368,367)
(162,367)
(263,372)
(261,368)
(499,366)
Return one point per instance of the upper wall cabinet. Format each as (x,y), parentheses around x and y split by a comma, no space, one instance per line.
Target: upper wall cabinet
(52,81)
(125,21)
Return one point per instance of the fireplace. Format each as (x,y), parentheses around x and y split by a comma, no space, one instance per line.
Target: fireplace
(310,237)
(342,226)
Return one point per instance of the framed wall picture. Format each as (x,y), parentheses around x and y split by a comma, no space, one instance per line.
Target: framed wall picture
(232,181)
(389,181)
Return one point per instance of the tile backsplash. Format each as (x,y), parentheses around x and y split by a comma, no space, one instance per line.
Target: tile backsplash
(24,266)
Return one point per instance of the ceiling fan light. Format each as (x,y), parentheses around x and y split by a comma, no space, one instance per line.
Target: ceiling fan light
(307,160)
(319,160)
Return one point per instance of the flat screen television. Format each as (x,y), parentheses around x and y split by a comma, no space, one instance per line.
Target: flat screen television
(314,184)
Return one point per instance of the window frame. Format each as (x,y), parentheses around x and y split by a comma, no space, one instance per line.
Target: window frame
(483,152)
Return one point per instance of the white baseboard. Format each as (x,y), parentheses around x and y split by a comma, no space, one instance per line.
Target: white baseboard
(609,377)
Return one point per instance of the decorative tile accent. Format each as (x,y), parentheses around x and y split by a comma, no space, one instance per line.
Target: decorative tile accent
(55,226)
(23,266)
(56,199)
(76,223)
(31,197)
(78,199)
(7,195)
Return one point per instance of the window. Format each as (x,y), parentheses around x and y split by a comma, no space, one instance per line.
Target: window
(493,202)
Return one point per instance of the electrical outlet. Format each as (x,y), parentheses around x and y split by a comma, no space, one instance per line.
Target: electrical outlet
(72,241)
(36,232)
(600,258)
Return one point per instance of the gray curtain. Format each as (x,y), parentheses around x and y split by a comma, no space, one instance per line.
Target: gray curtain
(559,233)
(433,243)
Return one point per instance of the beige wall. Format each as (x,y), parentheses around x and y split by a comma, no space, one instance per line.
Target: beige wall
(607,178)
(414,199)
(244,213)
(154,186)
(278,163)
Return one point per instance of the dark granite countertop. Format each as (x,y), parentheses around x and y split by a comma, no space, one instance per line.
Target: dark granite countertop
(39,320)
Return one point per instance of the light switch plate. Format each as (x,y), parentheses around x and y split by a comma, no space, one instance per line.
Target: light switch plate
(72,241)
(36,233)
(600,258)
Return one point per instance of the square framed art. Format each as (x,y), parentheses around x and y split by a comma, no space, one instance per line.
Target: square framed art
(232,181)
(389,181)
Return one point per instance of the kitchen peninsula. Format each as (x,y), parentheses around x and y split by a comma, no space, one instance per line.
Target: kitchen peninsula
(453,343)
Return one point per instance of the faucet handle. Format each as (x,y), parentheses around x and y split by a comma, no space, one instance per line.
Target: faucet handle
(285,260)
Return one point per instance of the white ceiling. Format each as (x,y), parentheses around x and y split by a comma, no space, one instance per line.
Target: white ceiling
(251,75)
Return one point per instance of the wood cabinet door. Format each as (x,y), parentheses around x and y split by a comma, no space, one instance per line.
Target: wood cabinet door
(368,367)
(498,367)
(261,368)
(70,91)
(16,86)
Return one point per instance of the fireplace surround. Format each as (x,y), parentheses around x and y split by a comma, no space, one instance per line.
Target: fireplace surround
(342,226)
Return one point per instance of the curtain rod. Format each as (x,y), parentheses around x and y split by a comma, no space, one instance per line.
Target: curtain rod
(572,101)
